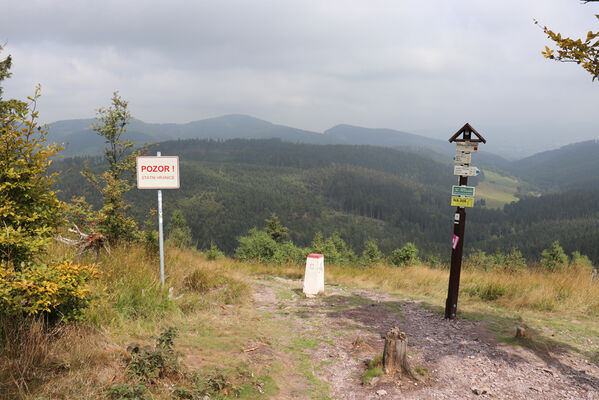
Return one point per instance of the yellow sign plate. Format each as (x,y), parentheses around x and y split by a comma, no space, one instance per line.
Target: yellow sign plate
(462,201)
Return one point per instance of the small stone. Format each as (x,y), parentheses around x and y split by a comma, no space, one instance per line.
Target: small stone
(479,391)
(381,392)
(374,380)
(546,370)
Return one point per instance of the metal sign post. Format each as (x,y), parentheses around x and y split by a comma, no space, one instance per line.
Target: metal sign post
(160,232)
(462,196)
(158,173)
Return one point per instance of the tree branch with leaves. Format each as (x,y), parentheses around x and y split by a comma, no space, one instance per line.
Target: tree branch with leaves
(582,51)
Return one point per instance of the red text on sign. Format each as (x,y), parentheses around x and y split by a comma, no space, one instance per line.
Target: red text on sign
(156,168)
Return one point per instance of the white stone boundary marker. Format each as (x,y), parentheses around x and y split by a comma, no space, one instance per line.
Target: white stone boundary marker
(314,276)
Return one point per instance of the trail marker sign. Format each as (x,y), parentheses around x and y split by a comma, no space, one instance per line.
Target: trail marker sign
(463,158)
(462,201)
(465,191)
(467,147)
(463,170)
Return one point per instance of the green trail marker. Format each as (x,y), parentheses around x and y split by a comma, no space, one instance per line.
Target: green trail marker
(465,191)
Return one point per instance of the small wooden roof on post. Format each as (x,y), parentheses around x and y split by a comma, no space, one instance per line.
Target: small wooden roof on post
(467,131)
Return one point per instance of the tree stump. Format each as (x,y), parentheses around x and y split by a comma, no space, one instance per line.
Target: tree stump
(520,332)
(395,354)
(86,242)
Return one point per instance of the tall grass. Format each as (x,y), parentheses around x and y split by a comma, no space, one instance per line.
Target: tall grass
(129,287)
(24,350)
(568,291)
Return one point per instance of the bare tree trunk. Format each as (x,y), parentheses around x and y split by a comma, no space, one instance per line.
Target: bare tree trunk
(395,354)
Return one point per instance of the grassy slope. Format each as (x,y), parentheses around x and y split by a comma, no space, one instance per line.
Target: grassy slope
(217,321)
(497,190)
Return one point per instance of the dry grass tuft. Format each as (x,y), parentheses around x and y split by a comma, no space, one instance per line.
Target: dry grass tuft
(25,350)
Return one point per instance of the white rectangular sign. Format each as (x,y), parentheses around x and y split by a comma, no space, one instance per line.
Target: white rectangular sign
(465,171)
(158,172)
(463,158)
(468,147)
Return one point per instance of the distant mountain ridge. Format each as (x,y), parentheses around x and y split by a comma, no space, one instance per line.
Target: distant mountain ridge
(82,141)
(572,165)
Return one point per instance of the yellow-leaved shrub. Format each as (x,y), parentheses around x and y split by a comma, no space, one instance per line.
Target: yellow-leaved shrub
(58,291)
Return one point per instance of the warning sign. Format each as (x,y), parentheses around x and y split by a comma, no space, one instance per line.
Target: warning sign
(158,172)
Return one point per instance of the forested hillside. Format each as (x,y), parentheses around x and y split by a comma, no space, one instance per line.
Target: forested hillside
(575,165)
(362,192)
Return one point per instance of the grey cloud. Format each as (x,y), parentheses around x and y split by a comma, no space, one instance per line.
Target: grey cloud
(410,65)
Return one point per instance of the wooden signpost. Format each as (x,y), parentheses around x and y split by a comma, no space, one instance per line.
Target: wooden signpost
(467,140)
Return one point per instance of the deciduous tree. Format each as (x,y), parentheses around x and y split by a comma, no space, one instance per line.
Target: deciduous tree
(111,124)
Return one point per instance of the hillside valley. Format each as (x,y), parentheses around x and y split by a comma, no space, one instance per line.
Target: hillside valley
(361,192)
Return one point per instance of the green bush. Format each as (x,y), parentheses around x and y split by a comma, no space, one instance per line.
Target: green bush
(326,248)
(581,261)
(554,258)
(334,249)
(407,255)
(478,260)
(288,253)
(161,361)
(434,261)
(511,262)
(261,247)
(179,232)
(371,254)
(214,253)
(256,246)
(514,261)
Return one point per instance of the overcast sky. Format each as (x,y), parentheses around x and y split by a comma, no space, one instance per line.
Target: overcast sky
(425,67)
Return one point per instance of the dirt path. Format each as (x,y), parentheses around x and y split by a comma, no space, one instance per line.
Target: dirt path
(335,335)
